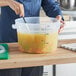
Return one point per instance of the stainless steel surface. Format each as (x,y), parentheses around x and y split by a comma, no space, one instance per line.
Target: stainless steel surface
(68,4)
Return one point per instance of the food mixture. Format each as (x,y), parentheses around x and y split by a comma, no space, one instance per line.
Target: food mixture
(38,43)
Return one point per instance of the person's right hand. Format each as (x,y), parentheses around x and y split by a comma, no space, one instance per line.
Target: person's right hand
(62,23)
(17,7)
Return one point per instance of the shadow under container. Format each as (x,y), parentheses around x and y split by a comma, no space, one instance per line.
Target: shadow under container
(38,34)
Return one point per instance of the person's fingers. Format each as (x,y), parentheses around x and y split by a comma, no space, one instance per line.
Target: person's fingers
(62,23)
(61,27)
(21,10)
(17,7)
(14,6)
(58,17)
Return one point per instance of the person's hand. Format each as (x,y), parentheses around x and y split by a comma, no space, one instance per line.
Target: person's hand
(62,23)
(17,7)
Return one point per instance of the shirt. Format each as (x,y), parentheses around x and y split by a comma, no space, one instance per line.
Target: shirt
(31,8)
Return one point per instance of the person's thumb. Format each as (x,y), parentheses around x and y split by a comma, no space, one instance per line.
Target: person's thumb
(58,17)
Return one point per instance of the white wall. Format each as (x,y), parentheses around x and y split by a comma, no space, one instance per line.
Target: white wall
(66,70)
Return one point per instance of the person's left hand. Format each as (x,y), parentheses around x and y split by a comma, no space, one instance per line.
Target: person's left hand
(59,17)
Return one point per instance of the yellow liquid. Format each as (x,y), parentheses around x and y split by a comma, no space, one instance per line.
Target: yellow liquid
(38,43)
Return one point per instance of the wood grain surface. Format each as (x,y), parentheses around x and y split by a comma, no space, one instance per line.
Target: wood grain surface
(18,59)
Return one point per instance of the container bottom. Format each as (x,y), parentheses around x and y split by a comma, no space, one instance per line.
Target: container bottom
(37,51)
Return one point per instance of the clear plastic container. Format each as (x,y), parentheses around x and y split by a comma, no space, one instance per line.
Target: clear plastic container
(38,34)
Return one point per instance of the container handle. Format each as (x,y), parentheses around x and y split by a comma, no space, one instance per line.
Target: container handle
(14,26)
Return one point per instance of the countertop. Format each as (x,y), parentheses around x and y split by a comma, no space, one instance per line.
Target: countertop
(18,59)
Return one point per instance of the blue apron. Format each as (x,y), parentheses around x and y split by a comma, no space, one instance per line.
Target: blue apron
(7,34)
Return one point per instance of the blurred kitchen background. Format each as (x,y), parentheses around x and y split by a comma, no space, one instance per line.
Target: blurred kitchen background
(69,13)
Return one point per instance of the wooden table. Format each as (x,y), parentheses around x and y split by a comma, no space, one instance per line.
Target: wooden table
(18,59)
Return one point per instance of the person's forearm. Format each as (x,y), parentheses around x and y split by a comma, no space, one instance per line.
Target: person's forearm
(4,2)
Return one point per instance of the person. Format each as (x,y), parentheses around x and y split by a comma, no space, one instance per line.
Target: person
(13,9)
